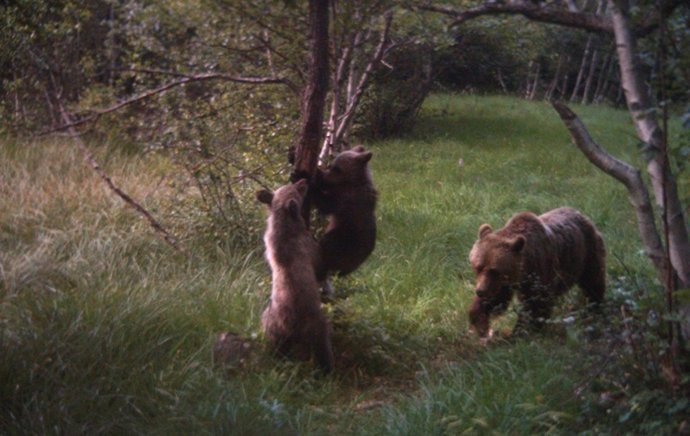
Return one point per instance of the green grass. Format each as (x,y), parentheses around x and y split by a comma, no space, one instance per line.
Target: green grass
(105,329)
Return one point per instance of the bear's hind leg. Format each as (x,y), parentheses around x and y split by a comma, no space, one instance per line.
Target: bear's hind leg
(533,315)
(593,278)
(323,350)
(593,285)
(315,339)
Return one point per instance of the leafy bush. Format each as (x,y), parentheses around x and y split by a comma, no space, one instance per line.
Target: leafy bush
(395,95)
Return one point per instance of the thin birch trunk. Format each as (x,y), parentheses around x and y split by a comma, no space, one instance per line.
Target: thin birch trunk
(611,81)
(566,77)
(581,71)
(501,82)
(355,97)
(535,83)
(340,121)
(590,76)
(525,88)
(554,82)
(602,76)
(338,83)
(601,7)
(604,79)
(649,131)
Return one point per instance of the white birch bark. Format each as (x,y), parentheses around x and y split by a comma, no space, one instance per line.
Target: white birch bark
(649,131)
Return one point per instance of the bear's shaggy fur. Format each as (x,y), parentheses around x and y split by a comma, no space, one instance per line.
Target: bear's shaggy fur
(345,192)
(294,322)
(540,257)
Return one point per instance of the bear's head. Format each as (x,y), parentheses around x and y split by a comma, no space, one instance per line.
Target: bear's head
(287,199)
(496,260)
(349,168)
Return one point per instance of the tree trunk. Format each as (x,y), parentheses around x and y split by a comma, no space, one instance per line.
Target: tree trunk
(525,88)
(581,71)
(619,92)
(499,77)
(338,83)
(566,76)
(339,125)
(590,76)
(662,180)
(532,89)
(608,91)
(314,95)
(354,98)
(601,7)
(604,79)
(644,118)
(556,76)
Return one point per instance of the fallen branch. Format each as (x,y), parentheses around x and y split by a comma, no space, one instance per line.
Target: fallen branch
(167,237)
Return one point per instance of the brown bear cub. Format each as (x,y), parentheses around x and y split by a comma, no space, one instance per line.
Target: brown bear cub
(539,257)
(345,192)
(293,321)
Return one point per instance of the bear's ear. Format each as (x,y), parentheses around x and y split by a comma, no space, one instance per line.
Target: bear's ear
(364,157)
(264,196)
(359,149)
(517,244)
(293,208)
(302,186)
(484,230)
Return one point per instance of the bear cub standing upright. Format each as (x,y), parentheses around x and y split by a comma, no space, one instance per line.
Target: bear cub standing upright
(294,322)
(540,257)
(345,191)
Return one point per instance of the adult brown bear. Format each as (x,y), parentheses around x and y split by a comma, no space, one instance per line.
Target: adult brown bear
(540,258)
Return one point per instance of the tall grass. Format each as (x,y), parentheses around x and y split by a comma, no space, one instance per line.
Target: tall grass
(104,329)
(513,390)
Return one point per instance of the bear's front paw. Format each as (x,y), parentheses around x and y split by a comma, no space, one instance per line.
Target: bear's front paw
(484,340)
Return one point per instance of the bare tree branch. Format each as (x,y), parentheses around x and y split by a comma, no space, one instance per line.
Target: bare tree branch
(339,125)
(567,16)
(96,114)
(353,99)
(624,173)
(532,10)
(338,81)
